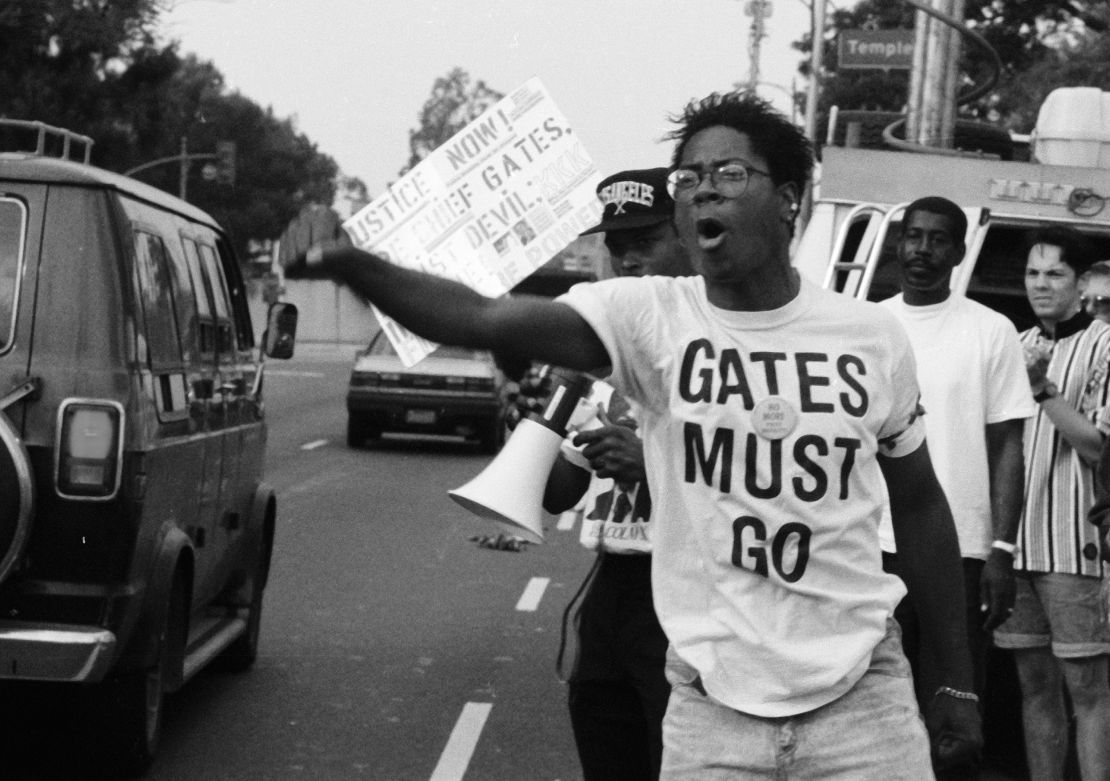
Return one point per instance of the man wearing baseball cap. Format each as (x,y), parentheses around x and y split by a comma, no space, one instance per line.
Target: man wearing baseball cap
(617,690)
(638,222)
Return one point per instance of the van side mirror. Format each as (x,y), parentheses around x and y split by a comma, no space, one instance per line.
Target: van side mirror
(281,330)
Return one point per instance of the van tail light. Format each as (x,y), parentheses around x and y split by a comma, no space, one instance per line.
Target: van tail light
(89,450)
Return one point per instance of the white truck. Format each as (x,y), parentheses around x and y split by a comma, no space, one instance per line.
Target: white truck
(848,242)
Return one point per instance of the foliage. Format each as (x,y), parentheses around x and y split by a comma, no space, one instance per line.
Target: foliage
(1033,38)
(452,105)
(278,169)
(351,194)
(1079,55)
(353,189)
(862,89)
(57,57)
(96,67)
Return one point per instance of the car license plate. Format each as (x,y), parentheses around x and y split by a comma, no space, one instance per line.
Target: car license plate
(422,417)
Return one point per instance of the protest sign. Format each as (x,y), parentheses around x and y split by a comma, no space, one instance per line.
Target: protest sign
(486,208)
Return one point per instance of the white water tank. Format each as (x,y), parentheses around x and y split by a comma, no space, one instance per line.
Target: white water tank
(1073,128)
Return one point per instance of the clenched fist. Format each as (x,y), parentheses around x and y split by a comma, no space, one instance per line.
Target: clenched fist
(313,230)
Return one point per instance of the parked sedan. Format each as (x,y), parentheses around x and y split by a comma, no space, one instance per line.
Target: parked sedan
(455,390)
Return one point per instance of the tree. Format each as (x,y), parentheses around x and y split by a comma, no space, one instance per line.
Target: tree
(58,57)
(1075,54)
(163,98)
(1030,36)
(453,104)
(353,191)
(94,66)
(279,169)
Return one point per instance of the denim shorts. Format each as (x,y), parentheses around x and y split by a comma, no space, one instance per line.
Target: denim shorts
(1058,610)
(872,733)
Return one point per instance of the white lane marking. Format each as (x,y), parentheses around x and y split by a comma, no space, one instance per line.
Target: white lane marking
(314,444)
(460,746)
(567,520)
(532,595)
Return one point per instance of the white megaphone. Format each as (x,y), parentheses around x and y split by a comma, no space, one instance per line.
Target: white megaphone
(510,490)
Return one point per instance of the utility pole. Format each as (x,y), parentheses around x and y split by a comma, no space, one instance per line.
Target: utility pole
(931,115)
(184,176)
(816,63)
(758,10)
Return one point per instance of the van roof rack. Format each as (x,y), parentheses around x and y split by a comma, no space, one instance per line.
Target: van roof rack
(43,131)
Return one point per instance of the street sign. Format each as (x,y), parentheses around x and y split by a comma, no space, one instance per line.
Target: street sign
(882,49)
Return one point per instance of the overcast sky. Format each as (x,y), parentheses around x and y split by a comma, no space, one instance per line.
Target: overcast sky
(355,73)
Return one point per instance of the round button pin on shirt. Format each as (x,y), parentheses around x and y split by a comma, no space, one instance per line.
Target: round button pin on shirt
(774,418)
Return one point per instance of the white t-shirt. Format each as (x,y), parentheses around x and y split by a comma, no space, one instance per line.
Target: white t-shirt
(971,370)
(760,432)
(615,519)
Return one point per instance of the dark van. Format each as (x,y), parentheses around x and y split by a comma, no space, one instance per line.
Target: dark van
(135,524)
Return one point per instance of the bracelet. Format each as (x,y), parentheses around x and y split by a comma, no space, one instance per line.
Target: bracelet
(1002,545)
(959,695)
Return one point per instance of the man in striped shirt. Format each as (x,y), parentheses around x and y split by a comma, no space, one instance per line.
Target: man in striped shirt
(1056,631)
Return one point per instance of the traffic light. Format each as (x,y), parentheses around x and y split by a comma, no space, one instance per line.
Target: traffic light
(225,162)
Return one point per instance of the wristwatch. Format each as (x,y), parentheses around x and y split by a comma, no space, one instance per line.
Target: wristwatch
(1049,391)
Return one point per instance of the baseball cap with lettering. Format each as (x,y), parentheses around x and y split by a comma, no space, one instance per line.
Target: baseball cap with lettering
(633,199)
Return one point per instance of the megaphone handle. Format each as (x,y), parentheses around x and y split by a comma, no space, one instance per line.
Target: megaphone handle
(561,405)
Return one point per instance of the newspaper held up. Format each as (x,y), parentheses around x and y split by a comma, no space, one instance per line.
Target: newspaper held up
(488,207)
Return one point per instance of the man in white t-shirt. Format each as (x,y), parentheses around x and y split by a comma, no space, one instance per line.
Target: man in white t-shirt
(773,413)
(971,371)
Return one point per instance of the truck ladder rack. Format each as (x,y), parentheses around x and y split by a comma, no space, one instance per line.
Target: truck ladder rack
(865,268)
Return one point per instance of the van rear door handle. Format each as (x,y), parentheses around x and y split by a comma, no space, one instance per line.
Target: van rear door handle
(30,387)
